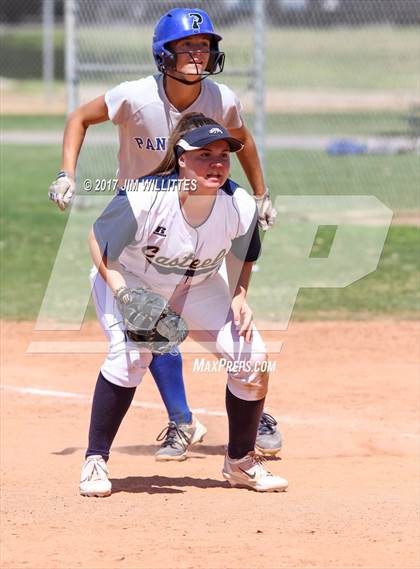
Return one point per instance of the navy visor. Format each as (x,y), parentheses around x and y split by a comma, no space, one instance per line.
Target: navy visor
(203,135)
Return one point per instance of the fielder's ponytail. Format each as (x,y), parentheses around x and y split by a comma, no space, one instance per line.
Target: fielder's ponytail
(188,122)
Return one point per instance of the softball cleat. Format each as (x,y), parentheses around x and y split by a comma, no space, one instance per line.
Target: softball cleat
(177,438)
(269,440)
(249,472)
(94,480)
(197,431)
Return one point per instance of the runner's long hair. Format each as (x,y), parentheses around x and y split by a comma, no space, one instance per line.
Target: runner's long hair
(188,122)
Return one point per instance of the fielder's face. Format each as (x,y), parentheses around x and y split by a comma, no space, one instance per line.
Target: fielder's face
(209,166)
(193,54)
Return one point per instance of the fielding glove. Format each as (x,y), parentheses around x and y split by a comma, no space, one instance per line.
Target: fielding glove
(149,321)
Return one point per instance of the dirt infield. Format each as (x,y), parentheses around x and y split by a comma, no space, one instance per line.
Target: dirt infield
(346,396)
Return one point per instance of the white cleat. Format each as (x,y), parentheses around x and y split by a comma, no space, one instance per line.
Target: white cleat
(94,478)
(196,430)
(249,472)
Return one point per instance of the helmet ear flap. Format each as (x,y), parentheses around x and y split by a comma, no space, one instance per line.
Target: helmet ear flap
(166,60)
(159,61)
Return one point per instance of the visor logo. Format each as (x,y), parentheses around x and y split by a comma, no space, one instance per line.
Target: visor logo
(215,131)
(197,20)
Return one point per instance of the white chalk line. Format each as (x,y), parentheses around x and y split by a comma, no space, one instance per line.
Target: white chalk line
(88,399)
(285,419)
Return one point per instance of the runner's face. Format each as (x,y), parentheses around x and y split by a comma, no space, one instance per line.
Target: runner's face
(193,55)
(209,165)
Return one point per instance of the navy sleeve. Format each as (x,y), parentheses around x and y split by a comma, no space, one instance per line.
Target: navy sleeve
(116,227)
(247,247)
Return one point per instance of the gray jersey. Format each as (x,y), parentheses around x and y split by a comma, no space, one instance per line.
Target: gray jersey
(145,117)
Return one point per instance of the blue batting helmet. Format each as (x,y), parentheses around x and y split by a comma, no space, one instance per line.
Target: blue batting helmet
(180,23)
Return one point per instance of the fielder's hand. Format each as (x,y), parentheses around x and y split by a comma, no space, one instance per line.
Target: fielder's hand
(266,212)
(242,317)
(62,189)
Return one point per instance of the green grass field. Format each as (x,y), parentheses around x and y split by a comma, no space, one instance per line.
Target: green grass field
(32,122)
(392,290)
(31,231)
(355,124)
(373,58)
(392,179)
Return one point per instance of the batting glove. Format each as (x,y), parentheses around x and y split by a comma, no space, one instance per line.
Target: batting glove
(266,212)
(62,189)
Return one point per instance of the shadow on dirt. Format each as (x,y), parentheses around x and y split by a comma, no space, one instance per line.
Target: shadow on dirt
(148,450)
(194,452)
(66,451)
(162,484)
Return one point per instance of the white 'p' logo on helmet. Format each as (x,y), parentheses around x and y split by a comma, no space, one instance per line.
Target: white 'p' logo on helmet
(197,20)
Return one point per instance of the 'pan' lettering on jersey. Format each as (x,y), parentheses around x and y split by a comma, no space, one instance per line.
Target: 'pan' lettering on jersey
(157,143)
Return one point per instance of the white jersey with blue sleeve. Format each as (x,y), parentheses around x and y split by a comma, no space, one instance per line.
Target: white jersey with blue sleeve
(158,249)
(149,235)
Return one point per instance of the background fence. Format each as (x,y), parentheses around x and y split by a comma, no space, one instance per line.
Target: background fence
(331,70)
(341,94)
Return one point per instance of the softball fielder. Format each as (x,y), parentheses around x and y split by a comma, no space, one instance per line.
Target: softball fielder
(186,51)
(174,243)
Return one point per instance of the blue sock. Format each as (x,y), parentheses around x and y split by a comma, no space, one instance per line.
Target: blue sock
(167,373)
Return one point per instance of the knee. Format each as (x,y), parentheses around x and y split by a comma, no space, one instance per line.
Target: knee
(251,383)
(127,369)
(137,365)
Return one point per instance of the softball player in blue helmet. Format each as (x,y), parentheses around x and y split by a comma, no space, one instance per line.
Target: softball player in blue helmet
(179,24)
(186,51)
